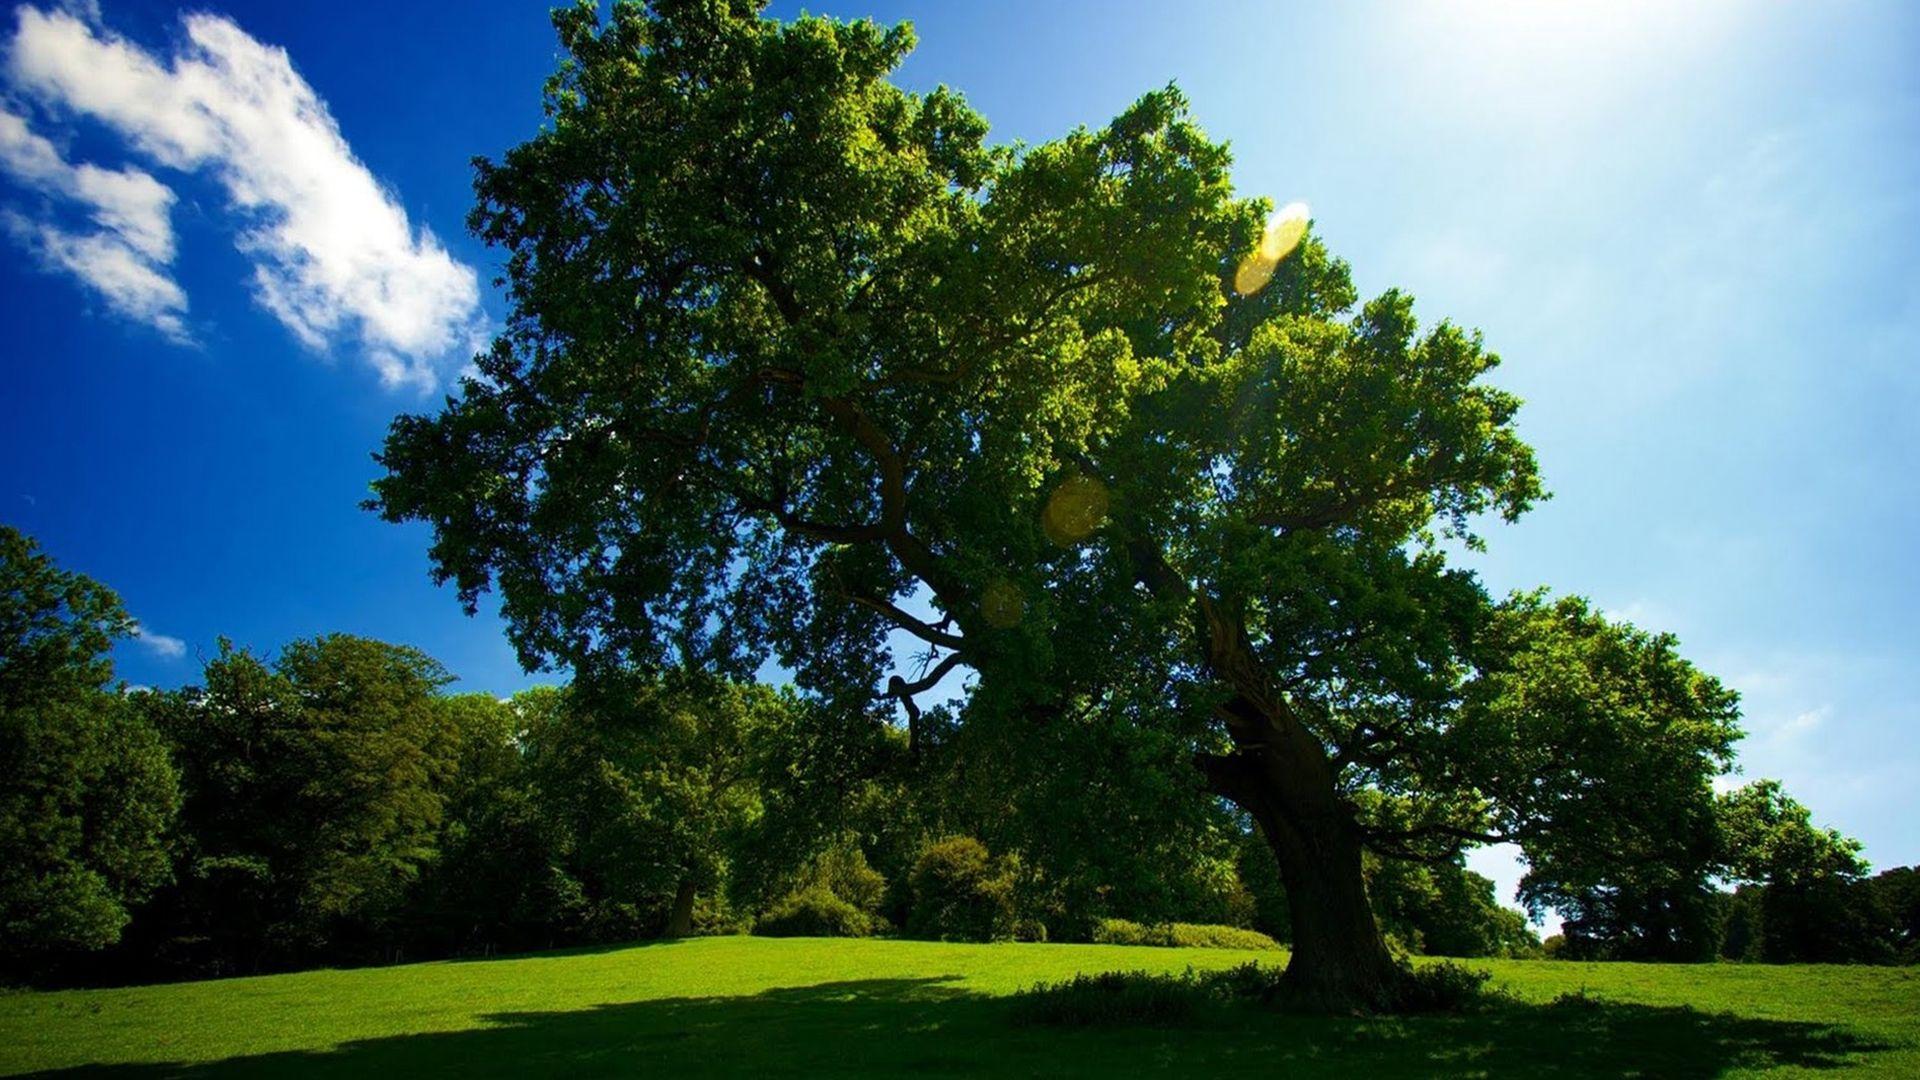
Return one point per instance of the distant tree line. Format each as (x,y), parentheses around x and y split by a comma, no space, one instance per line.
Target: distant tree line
(1802,894)
(335,804)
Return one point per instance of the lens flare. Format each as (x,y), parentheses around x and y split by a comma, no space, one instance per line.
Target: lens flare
(1283,233)
(1075,509)
(1002,605)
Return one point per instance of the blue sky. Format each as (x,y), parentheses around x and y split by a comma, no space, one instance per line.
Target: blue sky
(1688,229)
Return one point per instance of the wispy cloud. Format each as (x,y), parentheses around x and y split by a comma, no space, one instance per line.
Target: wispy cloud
(125,254)
(163,646)
(335,256)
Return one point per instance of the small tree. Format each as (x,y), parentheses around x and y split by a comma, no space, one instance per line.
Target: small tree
(86,791)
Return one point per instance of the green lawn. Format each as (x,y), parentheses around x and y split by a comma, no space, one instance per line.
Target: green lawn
(787,1007)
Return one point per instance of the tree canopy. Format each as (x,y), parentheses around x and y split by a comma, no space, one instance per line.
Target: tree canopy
(798,362)
(86,790)
(314,792)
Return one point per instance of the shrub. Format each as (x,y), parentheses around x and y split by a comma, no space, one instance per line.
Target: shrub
(1112,999)
(714,917)
(1180,935)
(843,871)
(1028,930)
(960,893)
(1446,987)
(1143,999)
(815,912)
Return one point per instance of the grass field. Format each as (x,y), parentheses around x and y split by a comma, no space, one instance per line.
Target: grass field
(763,1007)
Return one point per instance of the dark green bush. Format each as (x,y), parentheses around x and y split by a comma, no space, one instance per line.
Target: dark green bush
(1180,935)
(960,893)
(815,912)
(1113,999)
(1446,987)
(1143,999)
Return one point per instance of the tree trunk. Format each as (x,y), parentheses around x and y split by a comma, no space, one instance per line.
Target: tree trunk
(680,918)
(1339,961)
(1279,772)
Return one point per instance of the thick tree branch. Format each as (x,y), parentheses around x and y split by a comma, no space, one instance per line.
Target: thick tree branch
(900,688)
(925,631)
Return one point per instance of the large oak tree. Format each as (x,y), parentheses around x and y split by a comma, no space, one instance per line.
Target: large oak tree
(798,362)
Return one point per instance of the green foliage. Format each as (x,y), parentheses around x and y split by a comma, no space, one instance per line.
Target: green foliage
(87,792)
(1180,935)
(843,871)
(792,350)
(497,882)
(960,893)
(1812,905)
(1444,988)
(815,911)
(1125,999)
(1898,892)
(1596,745)
(1444,909)
(1771,838)
(313,794)
(649,785)
(1121,999)
(839,895)
(1054,796)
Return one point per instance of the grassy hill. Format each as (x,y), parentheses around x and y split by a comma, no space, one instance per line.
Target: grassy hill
(798,1006)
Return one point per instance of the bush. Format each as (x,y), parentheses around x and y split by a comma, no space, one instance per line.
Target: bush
(1180,935)
(1112,999)
(1028,930)
(1445,987)
(844,872)
(960,893)
(815,912)
(1142,999)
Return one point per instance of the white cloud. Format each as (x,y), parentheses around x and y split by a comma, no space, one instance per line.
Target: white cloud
(161,645)
(125,255)
(1645,614)
(1804,722)
(334,254)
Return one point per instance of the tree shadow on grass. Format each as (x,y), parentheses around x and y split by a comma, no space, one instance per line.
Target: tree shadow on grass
(930,1026)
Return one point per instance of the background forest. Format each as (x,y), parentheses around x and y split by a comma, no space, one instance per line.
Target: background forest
(334,803)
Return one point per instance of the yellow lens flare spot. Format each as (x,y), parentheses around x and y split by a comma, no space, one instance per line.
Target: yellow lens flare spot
(1002,605)
(1075,509)
(1283,233)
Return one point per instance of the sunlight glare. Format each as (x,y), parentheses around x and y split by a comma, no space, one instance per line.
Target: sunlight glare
(1002,605)
(1284,231)
(1076,508)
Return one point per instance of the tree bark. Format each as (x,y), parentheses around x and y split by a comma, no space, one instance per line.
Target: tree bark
(1339,962)
(680,917)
